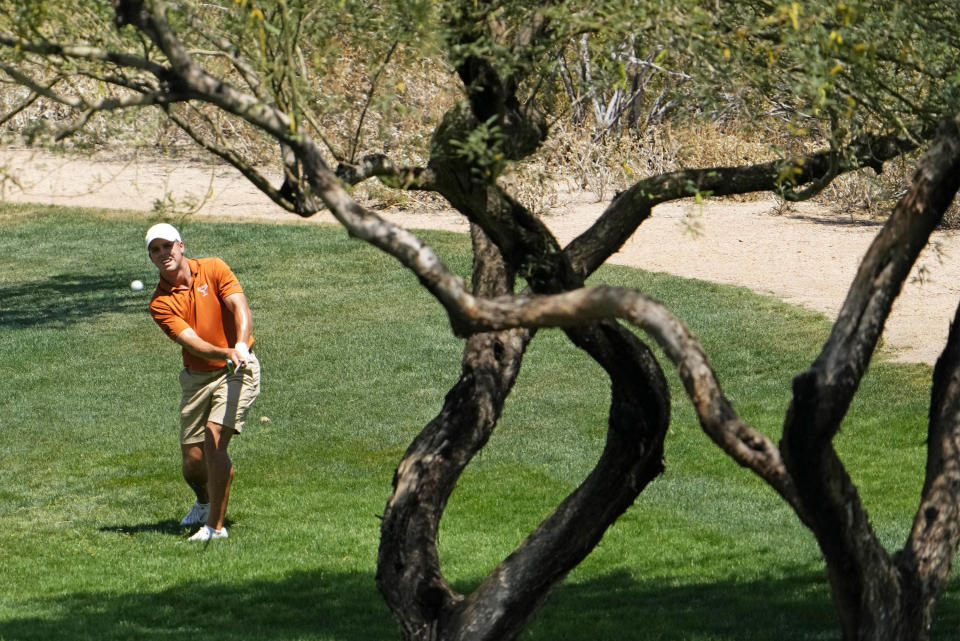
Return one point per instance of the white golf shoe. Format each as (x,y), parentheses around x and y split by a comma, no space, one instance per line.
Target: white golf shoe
(197,515)
(207,533)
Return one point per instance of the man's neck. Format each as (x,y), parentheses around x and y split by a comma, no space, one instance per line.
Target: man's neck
(182,277)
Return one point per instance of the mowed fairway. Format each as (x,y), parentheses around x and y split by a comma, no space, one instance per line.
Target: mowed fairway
(356,359)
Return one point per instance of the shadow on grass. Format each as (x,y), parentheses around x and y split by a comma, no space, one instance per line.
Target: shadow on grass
(617,607)
(63,299)
(167,526)
(797,607)
(305,605)
(320,605)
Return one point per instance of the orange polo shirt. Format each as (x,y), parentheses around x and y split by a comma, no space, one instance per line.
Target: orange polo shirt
(201,307)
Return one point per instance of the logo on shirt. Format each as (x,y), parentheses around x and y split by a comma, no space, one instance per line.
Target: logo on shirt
(203,289)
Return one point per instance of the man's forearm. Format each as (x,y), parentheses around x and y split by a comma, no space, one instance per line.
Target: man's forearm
(192,342)
(242,318)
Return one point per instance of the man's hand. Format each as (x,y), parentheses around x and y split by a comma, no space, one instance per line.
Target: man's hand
(243,353)
(238,355)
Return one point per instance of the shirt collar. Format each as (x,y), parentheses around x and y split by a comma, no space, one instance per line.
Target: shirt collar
(167,288)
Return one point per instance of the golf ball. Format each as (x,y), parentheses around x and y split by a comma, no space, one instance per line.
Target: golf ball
(136,285)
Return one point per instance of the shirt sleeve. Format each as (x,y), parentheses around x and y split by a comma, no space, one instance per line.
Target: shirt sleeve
(164,316)
(226,280)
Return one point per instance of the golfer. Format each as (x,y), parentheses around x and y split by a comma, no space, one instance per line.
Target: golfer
(200,305)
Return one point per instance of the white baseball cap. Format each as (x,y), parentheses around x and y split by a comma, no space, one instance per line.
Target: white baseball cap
(164,231)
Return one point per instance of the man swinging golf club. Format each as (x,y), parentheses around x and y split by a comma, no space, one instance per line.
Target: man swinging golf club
(200,305)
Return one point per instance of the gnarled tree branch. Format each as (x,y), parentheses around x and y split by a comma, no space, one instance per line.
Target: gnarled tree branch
(630,208)
(862,575)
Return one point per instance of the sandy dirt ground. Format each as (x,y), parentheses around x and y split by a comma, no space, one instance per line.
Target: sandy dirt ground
(805,257)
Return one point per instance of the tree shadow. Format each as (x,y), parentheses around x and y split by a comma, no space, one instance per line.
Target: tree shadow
(839,221)
(306,605)
(318,604)
(64,299)
(617,607)
(798,607)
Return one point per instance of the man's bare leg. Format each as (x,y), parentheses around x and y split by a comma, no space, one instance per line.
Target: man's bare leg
(219,471)
(195,470)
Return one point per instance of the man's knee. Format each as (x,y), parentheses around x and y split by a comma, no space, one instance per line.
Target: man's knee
(217,435)
(192,451)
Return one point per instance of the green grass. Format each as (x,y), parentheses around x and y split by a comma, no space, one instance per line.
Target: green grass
(357,358)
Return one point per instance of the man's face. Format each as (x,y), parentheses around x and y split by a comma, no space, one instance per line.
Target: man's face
(166,254)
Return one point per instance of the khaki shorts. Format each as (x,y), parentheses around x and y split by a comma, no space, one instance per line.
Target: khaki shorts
(217,397)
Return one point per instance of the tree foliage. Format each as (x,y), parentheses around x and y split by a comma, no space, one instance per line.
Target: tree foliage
(319,88)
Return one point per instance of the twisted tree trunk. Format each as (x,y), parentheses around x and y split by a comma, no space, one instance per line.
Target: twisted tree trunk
(408,567)
(879,596)
(409,575)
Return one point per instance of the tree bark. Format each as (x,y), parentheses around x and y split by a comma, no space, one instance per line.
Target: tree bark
(878,598)
(639,413)
(408,566)
(925,561)
(409,573)
(633,456)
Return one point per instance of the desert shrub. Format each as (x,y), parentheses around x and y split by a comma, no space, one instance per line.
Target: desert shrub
(396,114)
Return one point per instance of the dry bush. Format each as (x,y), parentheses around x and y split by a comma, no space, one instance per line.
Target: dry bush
(573,166)
(866,193)
(406,102)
